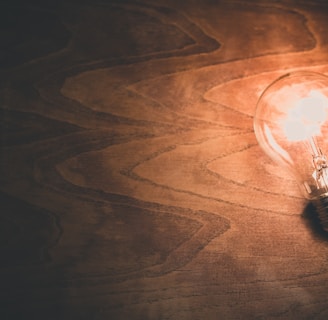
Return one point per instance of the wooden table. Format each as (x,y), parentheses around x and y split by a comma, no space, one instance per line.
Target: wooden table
(132,185)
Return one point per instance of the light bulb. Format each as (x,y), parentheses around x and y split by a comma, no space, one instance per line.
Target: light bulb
(291,126)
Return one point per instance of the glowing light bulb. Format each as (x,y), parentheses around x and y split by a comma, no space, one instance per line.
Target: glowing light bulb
(291,125)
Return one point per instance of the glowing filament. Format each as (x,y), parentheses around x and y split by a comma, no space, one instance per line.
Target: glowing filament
(304,120)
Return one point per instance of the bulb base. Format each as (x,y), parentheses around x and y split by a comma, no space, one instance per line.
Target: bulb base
(321,204)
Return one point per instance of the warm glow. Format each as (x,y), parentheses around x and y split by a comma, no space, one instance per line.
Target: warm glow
(291,125)
(306,117)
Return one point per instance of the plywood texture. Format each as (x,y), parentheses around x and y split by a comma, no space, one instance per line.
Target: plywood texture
(132,185)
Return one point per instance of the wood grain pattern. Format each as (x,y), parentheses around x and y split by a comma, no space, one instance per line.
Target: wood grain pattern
(132,185)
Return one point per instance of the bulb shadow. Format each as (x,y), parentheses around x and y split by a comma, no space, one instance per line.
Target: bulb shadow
(312,221)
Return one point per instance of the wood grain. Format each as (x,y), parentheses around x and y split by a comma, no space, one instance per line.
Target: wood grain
(132,185)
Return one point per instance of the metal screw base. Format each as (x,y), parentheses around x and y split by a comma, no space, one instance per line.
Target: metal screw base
(321,205)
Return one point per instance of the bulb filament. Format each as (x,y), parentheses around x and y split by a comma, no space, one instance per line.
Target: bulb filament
(320,173)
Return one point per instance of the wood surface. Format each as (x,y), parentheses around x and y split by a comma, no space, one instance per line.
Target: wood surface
(132,185)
